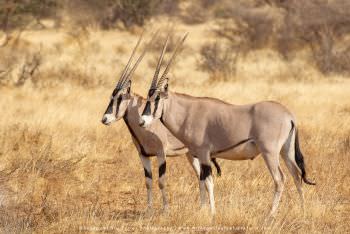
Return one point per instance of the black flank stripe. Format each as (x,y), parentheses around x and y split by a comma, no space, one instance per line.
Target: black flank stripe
(231,147)
(180,148)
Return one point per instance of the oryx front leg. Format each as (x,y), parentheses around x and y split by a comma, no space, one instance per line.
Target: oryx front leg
(161,180)
(146,162)
(206,180)
(195,164)
(197,168)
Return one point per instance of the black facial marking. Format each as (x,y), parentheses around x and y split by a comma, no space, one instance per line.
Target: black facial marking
(162,169)
(119,100)
(110,107)
(115,91)
(147,110)
(205,171)
(148,174)
(156,102)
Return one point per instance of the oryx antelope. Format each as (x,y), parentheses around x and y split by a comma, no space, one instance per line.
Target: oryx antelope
(211,128)
(156,141)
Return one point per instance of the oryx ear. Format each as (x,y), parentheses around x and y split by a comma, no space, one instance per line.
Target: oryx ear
(164,85)
(127,86)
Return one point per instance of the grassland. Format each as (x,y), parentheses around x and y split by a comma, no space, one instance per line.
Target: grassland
(61,170)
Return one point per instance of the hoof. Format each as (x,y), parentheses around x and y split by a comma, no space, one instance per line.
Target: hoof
(269,219)
(165,210)
(149,212)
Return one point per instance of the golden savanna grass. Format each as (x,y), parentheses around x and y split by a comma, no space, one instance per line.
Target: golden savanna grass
(61,170)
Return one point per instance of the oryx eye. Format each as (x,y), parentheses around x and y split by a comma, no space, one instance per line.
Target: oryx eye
(150,93)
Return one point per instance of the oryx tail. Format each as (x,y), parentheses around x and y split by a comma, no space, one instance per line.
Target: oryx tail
(299,158)
(217,166)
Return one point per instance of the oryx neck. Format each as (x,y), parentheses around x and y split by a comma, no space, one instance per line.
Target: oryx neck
(175,110)
(136,100)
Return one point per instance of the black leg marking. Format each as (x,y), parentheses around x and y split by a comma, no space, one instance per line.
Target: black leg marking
(205,171)
(148,174)
(162,169)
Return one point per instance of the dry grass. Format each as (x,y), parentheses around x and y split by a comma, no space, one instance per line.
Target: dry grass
(63,171)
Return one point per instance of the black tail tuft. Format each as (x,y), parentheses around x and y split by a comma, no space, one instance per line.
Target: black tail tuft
(299,158)
(217,166)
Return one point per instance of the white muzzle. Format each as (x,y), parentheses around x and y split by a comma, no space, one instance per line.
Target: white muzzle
(146,120)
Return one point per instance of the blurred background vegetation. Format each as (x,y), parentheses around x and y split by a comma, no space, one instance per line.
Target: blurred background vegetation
(317,29)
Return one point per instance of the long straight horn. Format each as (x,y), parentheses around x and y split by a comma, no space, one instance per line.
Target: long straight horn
(178,45)
(129,75)
(122,77)
(160,60)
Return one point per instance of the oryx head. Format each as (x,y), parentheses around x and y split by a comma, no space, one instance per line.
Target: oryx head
(158,91)
(121,96)
(117,105)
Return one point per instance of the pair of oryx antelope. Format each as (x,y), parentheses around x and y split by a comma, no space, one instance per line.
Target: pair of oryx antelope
(173,124)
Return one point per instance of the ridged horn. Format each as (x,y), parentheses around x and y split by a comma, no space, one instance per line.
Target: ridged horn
(160,60)
(122,77)
(129,75)
(166,70)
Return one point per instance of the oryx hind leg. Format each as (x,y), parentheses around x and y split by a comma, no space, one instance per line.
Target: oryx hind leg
(161,181)
(146,162)
(272,161)
(288,155)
